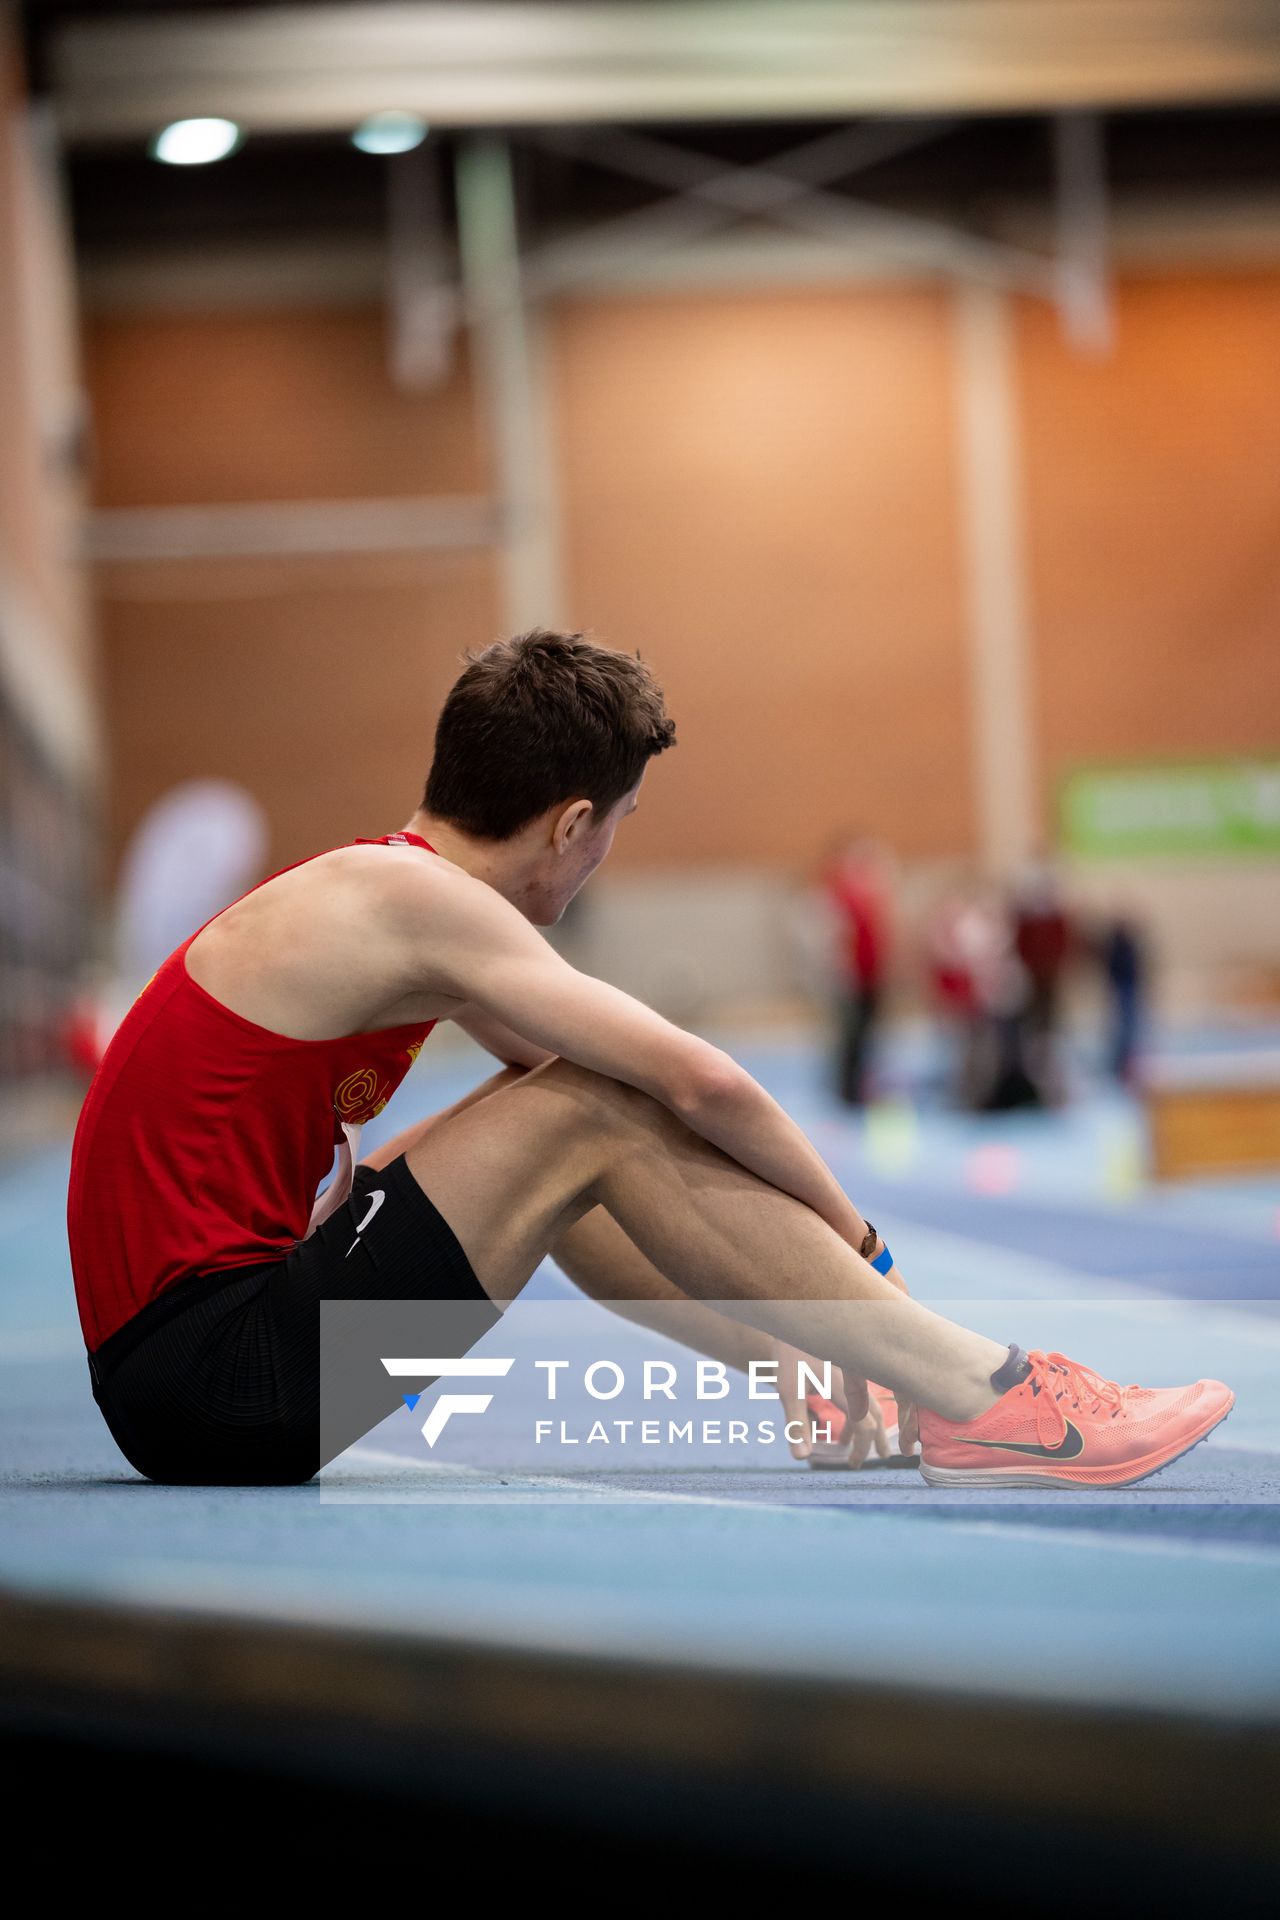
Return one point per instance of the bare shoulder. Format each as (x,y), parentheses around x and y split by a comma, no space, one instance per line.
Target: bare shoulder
(339,943)
(444,923)
(372,879)
(417,890)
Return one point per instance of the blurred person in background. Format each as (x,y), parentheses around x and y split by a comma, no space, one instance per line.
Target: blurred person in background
(1008,997)
(1122,949)
(199,846)
(958,941)
(1043,938)
(858,880)
(981,992)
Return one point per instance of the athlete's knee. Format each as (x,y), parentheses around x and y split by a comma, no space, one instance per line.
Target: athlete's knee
(600,1100)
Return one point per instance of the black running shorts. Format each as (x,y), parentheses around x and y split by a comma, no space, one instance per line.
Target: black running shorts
(217,1381)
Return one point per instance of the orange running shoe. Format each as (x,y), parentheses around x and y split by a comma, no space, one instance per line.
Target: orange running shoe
(1065,1426)
(831,1453)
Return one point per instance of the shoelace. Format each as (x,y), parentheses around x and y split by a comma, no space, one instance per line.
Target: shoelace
(1060,1378)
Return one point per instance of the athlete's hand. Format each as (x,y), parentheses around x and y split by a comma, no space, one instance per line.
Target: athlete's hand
(864,1422)
(795,1412)
(796,1409)
(863,1430)
(908,1426)
(908,1423)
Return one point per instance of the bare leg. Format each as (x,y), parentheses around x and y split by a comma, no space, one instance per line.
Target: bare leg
(603,1261)
(516,1170)
(410,1137)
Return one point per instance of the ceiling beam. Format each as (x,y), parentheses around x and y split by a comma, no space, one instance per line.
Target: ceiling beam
(1211,233)
(550,62)
(791,189)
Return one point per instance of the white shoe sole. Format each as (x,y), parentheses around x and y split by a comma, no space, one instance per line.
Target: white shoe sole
(1026,1477)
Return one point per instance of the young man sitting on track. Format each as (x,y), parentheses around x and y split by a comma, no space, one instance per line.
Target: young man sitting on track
(643,1160)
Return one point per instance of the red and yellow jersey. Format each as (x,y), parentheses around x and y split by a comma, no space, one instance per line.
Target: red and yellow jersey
(204,1137)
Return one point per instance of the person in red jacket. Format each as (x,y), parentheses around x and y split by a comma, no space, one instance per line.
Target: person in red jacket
(1043,938)
(857,879)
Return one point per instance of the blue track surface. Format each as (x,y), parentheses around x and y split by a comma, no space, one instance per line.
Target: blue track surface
(1038,1228)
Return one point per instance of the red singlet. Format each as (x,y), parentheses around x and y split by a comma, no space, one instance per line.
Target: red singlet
(204,1137)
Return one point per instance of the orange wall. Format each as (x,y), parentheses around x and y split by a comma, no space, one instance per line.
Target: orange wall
(315,682)
(760,495)
(269,406)
(1153,502)
(316,687)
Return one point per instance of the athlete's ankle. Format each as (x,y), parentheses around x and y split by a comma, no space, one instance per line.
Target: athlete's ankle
(976,1388)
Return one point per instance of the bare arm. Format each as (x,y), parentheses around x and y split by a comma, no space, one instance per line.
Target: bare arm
(499,1039)
(471,942)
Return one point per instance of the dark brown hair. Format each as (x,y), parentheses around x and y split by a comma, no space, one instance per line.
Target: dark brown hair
(539,719)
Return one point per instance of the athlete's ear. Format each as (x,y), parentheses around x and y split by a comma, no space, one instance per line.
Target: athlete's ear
(571,823)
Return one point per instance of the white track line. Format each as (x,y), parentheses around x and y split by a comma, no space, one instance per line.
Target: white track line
(590,1495)
(1064,1537)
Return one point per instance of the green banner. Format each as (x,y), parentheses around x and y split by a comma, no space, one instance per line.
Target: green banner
(1226,807)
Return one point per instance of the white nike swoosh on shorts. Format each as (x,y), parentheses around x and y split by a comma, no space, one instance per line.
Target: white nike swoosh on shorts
(376,1198)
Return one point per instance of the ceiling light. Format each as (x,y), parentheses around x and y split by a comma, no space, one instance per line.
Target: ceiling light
(390,132)
(194,143)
